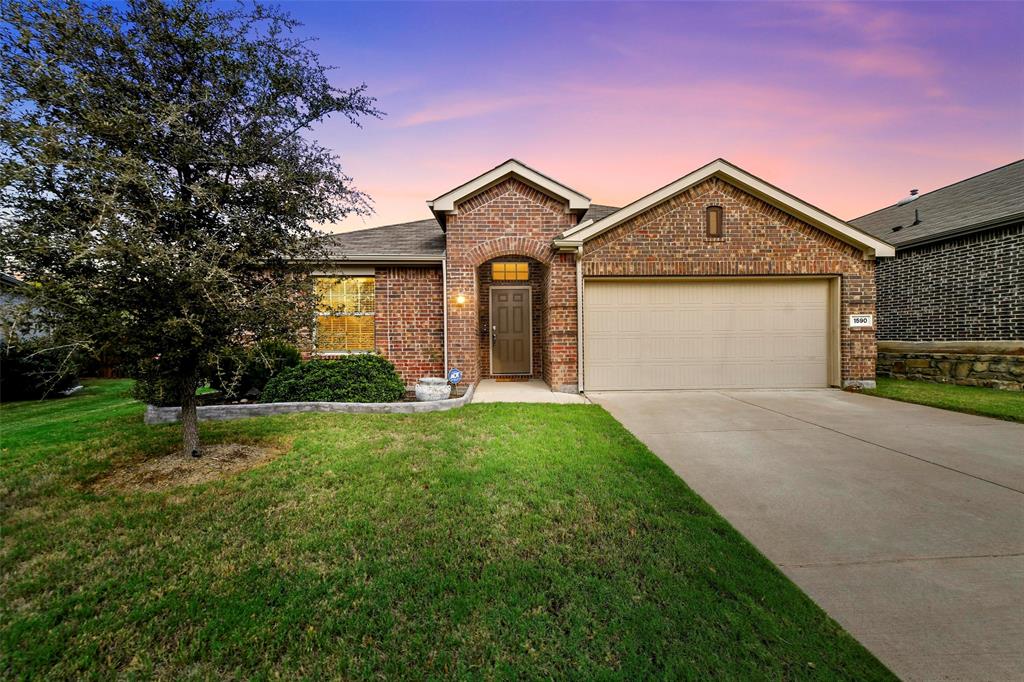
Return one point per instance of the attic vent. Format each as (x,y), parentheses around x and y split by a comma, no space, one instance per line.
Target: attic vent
(906,200)
(713,222)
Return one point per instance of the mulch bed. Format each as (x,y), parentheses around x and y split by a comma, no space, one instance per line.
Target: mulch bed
(176,469)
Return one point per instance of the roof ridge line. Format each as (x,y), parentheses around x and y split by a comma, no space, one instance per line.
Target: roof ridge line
(380,227)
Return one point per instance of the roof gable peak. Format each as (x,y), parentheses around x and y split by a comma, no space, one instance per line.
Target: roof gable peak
(448,202)
(736,176)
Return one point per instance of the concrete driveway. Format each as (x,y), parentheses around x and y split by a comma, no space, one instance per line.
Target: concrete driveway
(905,523)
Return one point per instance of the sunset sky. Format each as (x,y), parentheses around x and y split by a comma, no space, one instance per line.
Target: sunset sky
(847,105)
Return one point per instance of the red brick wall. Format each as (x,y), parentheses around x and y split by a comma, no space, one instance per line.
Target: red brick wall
(509,219)
(409,318)
(758,239)
(561,341)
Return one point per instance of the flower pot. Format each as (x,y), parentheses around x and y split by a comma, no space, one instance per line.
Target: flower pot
(430,388)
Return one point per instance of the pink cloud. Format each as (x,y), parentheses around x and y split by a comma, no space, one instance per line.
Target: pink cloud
(467,106)
(751,105)
(879,60)
(869,21)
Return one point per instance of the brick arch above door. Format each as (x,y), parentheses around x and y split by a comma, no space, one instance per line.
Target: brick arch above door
(510,246)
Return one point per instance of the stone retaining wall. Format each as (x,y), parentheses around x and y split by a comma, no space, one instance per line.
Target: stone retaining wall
(170,415)
(998,364)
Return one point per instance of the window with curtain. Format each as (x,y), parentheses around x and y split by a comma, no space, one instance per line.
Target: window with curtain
(345,321)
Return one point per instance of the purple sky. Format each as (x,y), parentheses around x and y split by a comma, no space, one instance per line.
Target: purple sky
(846,105)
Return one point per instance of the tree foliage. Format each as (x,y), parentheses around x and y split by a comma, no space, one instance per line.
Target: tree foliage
(158,186)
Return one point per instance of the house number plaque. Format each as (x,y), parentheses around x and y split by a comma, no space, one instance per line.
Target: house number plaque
(861,321)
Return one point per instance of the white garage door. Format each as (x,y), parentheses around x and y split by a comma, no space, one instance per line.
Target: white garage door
(648,335)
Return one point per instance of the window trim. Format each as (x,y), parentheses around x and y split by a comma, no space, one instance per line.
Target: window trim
(515,271)
(337,313)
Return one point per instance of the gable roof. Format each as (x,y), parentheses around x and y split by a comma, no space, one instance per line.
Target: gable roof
(447,202)
(722,169)
(419,240)
(987,200)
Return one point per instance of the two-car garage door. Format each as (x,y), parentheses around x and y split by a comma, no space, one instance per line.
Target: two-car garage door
(678,334)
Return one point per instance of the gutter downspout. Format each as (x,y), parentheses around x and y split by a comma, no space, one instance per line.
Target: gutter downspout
(444,299)
(579,318)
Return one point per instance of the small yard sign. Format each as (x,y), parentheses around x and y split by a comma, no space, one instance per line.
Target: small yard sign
(861,321)
(454,375)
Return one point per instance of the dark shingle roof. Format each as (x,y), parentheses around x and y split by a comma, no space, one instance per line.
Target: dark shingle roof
(418,239)
(987,199)
(597,211)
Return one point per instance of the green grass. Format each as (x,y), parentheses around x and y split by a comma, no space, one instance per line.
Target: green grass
(496,541)
(987,402)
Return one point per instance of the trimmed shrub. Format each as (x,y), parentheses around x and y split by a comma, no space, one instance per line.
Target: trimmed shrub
(31,371)
(364,378)
(240,373)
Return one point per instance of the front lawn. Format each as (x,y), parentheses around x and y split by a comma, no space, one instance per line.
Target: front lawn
(987,402)
(494,541)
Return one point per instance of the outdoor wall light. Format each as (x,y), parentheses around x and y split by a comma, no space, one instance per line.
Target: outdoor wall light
(460,299)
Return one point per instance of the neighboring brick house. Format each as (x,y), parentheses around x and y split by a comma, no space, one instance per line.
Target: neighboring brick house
(717,280)
(951,303)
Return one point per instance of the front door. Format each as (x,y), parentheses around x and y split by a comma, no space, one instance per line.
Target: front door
(511,330)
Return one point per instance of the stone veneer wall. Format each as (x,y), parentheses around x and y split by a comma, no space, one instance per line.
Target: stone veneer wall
(511,219)
(966,289)
(990,364)
(758,240)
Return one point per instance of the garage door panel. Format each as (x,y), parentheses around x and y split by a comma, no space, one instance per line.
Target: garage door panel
(677,334)
(661,350)
(631,348)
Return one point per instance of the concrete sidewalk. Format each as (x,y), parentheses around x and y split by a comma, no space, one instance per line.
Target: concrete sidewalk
(904,522)
(532,391)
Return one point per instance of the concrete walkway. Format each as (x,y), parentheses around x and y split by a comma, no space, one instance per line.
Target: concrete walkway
(905,523)
(532,391)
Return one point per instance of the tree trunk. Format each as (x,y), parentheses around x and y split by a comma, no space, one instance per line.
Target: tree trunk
(190,419)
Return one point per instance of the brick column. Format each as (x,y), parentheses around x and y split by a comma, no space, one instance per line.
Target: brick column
(561,320)
(859,348)
(463,321)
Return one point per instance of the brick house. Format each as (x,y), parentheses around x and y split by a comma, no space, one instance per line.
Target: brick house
(718,279)
(951,302)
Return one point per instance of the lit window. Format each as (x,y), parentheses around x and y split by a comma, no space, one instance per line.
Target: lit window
(345,315)
(501,272)
(714,221)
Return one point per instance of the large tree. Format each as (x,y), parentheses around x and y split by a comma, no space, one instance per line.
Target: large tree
(157,189)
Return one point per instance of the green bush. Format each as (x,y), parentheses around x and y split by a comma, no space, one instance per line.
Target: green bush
(240,372)
(363,378)
(31,370)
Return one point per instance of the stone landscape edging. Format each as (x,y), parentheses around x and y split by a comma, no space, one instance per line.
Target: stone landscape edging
(170,415)
(993,364)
